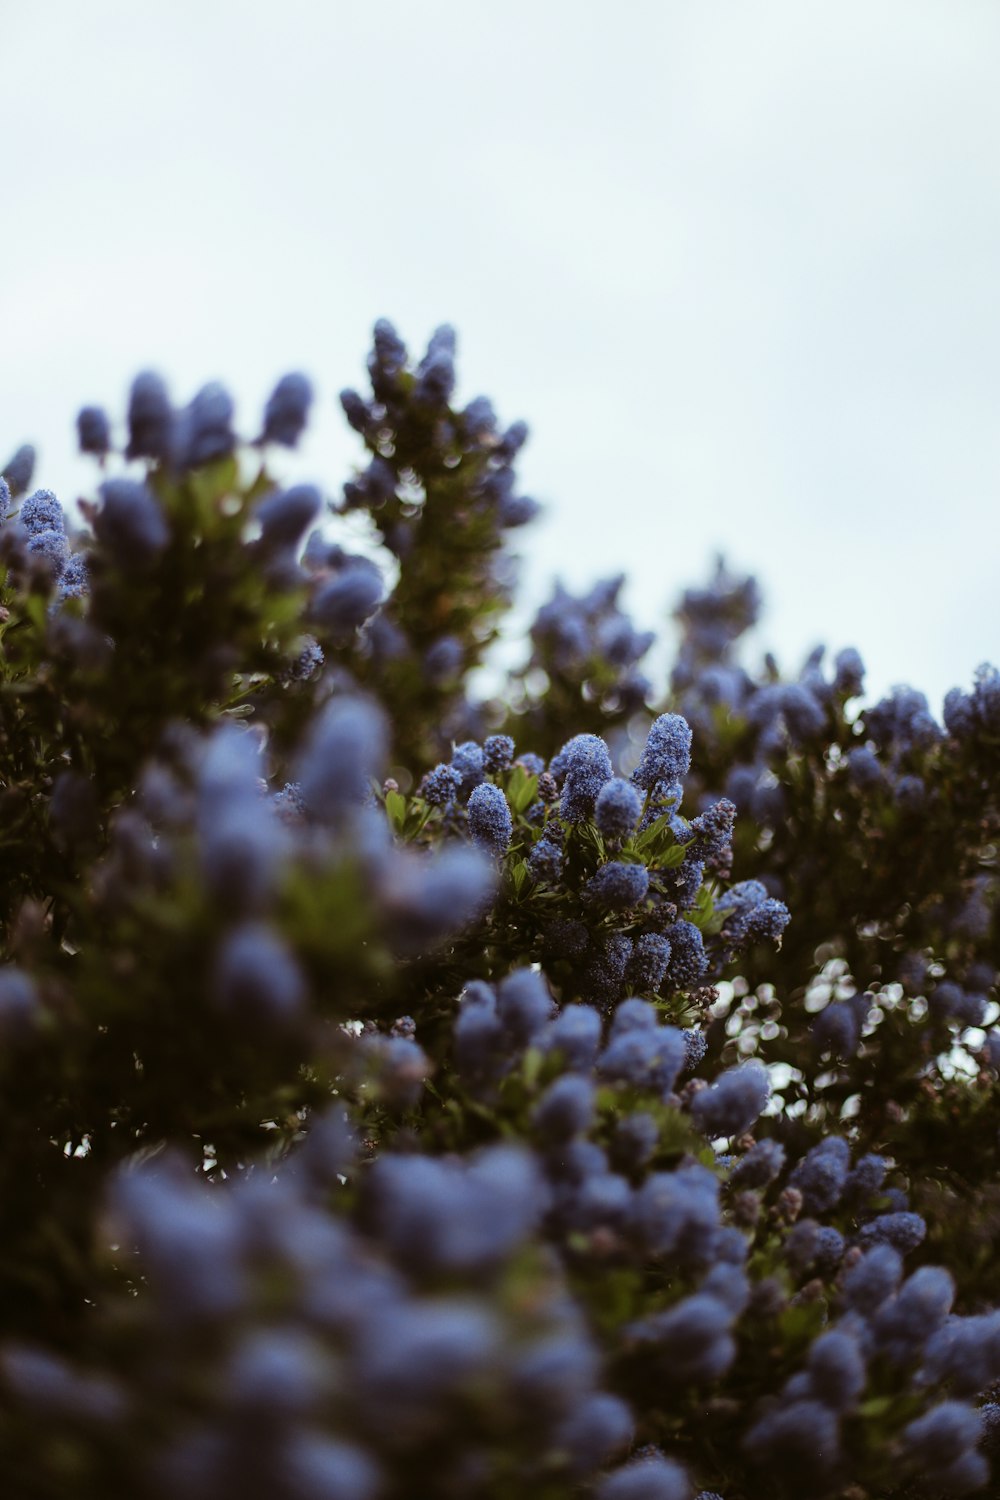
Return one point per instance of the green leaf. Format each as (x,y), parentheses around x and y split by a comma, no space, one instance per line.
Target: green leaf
(521,790)
(395,806)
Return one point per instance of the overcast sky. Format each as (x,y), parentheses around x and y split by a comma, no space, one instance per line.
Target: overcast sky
(738,264)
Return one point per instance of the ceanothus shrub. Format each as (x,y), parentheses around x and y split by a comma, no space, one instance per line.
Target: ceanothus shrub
(586,1092)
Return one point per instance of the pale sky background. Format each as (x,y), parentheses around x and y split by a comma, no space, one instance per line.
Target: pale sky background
(738,264)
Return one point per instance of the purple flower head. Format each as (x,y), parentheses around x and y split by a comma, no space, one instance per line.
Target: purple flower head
(518,510)
(647,1058)
(688,960)
(713,830)
(849,673)
(649,961)
(490,821)
(287,410)
(617,808)
(837,1029)
(20,1008)
(451,1216)
(436,371)
(256,979)
(545,861)
(864,769)
(130,524)
(738,904)
(902,721)
(440,786)
(565,1109)
(953,1003)
(19,469)
(596,1429)
(285,514)
(799,1441)
(635,1141)
(821,1175)
(467,760)
(498,753)
(966,1353)
(634,1015)
(355,409)
(677,1214)
(42,512)
(604,977)
(345,749)
(524,1004)
(761,1165)
(203,431)
(836,1370)
(150,418)
(342,603)
(586,766)
(905,1324)
(695,1047)
(873,1280)
(513,441)
(732,1104)
(768,921)
(903,1231)
(693,1338)
(617,886)
(666,756)
(802,713)
(480,418)
(443,659)
(653,1478)
(93,430)
(51,547)
(943,1437)
(865,1178)
(576,1035)
(565,937)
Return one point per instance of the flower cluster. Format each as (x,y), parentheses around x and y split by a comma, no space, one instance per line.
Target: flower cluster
(583,1092)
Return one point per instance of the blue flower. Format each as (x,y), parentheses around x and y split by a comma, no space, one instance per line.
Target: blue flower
(732,1104)
(585,766)
(498,753)
(821,1175)
(649,961)
(647,1058)
(440,786)
(346,748)
(666,756)
(617,886)
(343,602)
(130,523)
(287,410)
(93,430)
(42,512)
(490,821)
(19,470)
(653,1478)
(150,418)
(285,514)
(617,808)
(761,1165)
(688,960)
(256,980)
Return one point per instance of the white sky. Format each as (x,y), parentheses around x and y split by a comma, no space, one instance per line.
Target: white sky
(738,264)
